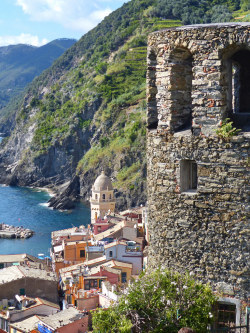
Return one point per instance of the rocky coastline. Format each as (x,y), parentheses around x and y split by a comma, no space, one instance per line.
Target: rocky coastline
(10,231)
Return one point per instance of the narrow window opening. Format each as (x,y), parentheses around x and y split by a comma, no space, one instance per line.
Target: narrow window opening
(82,253)
(241,81)
(86,285)
(96,196)
(188,176)
(103,196)
(180,89)
(22,292)
(124,277)
(152,111)
(111,253)
(238,72)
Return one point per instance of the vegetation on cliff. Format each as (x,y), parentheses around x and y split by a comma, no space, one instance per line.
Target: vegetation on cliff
(91,102)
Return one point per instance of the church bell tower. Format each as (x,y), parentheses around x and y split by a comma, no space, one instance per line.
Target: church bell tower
(102,200)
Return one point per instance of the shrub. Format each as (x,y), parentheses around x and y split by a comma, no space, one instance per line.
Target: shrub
(160,301)
(227,130)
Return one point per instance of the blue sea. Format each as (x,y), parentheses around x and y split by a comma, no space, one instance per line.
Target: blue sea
(27,207)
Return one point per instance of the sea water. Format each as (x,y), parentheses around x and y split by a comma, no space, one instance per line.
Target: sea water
(28,208)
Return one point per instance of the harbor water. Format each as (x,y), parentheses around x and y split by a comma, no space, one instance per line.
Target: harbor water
(28,208)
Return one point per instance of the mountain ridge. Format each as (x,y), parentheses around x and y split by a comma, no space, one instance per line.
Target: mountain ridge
(20,63)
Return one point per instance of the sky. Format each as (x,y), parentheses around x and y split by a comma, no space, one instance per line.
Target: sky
(37,22)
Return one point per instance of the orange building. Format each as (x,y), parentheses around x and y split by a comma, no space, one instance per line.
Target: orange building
(75,252)
(69,247)
(69,253)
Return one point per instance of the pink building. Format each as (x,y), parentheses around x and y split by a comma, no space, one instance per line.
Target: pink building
(101,226)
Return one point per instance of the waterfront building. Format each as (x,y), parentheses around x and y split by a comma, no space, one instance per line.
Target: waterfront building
(102,201)
(69,246)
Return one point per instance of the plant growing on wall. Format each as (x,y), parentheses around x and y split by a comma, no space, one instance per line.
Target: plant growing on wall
(226,129)
(160,301)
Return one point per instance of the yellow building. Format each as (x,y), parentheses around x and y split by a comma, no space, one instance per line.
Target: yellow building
(102,200)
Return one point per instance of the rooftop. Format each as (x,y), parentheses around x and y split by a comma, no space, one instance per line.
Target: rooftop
(102,183)
(13,273)
(71,231)
(10,258)
(27,324)
(62,318)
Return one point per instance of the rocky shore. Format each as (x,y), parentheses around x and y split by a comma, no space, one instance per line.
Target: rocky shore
(10,231)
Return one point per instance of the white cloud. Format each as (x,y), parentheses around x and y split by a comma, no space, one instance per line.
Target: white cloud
(22,39)
(77,15)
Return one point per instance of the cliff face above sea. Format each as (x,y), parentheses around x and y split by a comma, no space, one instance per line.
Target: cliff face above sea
(87,112)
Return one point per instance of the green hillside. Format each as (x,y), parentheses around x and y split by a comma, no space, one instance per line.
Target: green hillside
(87,111)
(19,64)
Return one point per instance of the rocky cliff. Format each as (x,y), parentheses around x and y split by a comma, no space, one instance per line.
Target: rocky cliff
(86,113)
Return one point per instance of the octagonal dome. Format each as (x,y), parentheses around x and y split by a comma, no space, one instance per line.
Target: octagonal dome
(103,183)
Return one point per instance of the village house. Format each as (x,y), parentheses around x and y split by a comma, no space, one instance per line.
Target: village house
(28,325)
(83,281)
(101,225)
(79,282)
(69,320)
(23,259)
(18,311)
(129,251)
(69,246)
(32,282)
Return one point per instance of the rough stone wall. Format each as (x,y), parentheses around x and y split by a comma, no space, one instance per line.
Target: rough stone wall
(204,230)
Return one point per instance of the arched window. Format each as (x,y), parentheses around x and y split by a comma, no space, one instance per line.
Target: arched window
(152,112)
(240,72)
(110,196)
(238,85)
(96,196)
(103,196)
(180,89)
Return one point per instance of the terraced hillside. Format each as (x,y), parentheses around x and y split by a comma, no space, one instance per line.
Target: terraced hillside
(87,112)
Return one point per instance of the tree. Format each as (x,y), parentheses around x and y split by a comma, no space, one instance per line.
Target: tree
(160,301)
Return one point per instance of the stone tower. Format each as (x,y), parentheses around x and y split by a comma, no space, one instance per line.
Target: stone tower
(197,77)
(102,200)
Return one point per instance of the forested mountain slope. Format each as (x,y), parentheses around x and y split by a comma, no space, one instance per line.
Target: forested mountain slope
(87,111)
(19,64)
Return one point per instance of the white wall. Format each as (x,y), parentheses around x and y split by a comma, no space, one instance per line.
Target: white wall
(119,253)
(42,310)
